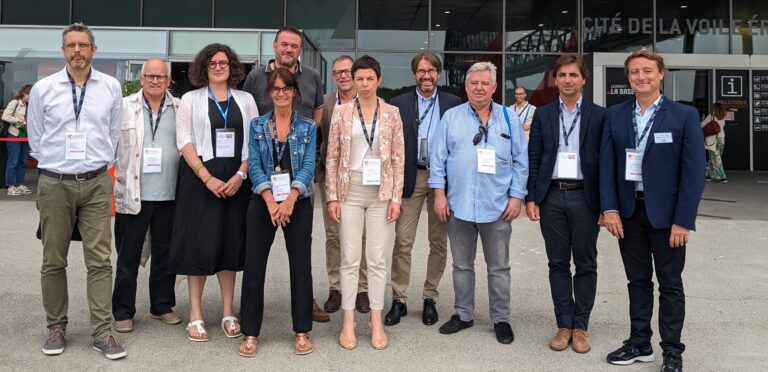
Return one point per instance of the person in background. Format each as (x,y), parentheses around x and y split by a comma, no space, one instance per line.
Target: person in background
(15,114)
(714,145)
(523,109)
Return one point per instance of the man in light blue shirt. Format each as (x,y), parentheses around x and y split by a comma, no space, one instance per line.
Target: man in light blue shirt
(480,150)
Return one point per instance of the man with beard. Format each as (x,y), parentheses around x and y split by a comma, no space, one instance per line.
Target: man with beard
(421,111)
(342,75)
(308,103)
(74,120)
(523,109)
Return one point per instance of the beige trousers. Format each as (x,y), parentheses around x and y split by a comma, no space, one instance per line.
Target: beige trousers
(405,236)
(362,212)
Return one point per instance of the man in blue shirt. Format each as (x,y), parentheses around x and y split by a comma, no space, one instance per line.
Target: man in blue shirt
(480,150)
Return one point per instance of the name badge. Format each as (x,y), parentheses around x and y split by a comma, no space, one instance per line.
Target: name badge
(152,160)
(423,152)
(486,160)
(75,146)
(567,164)
(665,137)
(281,186)
(634,166)
(371,171)
(225,143)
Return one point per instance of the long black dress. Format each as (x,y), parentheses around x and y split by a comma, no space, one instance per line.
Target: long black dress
(208,232)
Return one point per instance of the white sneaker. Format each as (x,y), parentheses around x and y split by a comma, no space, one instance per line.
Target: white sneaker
(12,191)
(23,189)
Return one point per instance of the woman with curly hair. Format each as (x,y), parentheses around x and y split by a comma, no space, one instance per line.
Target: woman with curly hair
(212,188)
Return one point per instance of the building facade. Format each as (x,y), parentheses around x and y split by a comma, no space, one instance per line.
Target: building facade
(716,50)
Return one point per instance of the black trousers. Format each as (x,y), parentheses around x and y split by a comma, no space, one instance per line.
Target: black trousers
(643,249)
(298,241)
(570,229)
(130,231)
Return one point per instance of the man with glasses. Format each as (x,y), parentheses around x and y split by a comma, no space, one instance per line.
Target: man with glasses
(523,109)
(145,189)
(420,110)
(74,121)
(308,103)
(478,170)
(342,75)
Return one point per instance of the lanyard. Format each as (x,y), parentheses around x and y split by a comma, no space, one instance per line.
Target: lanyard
(224,113)
(647,125)
(78,105)
(426,111)
(362,122)
(573,125)
(527,110)
(490,113)
(278,149)
(153,125)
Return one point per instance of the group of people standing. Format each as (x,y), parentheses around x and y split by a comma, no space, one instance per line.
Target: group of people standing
(247,164)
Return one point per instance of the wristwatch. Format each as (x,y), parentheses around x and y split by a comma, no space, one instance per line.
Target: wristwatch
(242,175)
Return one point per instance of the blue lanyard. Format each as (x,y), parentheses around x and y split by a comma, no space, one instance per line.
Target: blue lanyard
(527,110)
(573,125)
(278,149)
(156,122)
(224,113)
(362,122)
(647,126)
(78,105)
(490,114)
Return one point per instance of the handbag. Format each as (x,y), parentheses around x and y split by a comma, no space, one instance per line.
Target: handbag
(711,128)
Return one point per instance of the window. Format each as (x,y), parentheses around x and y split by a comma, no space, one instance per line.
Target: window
(40,12)
(466,25)
(542,26)
(617,26)
(531,71)
(177,13)
(328,27)
(684,26)
(750,33)
(386,26)
(248,14)
(107,13)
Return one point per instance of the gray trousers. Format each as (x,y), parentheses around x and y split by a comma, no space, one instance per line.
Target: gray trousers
(495,239)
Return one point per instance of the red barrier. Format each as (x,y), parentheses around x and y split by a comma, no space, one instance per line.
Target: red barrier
(6,139)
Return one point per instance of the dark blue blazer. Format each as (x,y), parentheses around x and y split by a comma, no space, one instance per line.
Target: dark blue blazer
(406,102)
(673,173)
(545,140)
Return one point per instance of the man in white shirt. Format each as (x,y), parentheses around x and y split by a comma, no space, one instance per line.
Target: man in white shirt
(523,109)
(74,124)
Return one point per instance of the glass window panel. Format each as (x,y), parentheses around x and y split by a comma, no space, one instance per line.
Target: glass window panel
(531,71)
(328,27)
(39,12)
(466,25)
(107,13)
(177,13)
(542,26)
(241,14)
(455,68)
(617,26)
(750,33)
(188,43)
(400,26)
(267,53)
(683,26)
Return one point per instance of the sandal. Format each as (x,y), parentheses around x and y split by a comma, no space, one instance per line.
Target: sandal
(249,346)
(234,327)
(302,344)
(199,326)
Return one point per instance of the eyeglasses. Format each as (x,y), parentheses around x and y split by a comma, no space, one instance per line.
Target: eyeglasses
(519,94)
(151,77)
(339,73)
(72,46)
(222,64)
(426,72)
(481,132)
(285,90)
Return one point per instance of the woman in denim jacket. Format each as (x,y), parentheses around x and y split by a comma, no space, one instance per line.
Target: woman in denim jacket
(281,164)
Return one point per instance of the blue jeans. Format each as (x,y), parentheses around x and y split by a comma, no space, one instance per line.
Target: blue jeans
(16,168)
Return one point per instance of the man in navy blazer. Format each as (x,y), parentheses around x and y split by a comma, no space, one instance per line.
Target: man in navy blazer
(651,180)
(420,110)
(563,193)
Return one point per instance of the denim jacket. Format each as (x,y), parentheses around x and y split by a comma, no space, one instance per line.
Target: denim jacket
(302,138)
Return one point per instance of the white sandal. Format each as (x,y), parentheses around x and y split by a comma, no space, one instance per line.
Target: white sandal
(233,326)
(200,329)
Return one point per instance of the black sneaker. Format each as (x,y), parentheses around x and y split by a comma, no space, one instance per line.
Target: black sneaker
(54,343)
(673,362)
(454,325)
(504,332)
(110,347)
(630,353)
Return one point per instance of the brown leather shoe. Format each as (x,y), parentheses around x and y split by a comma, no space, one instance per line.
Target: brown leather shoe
(333,303)
(318,314)
(580,342)
(559,341)
(123,326)
(167,318)
(362,304)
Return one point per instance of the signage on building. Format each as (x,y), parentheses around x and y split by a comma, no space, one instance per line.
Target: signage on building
(617,89)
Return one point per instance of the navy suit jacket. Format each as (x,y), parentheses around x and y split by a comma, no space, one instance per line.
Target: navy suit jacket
(545,140)
(406,102)
(673,173)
